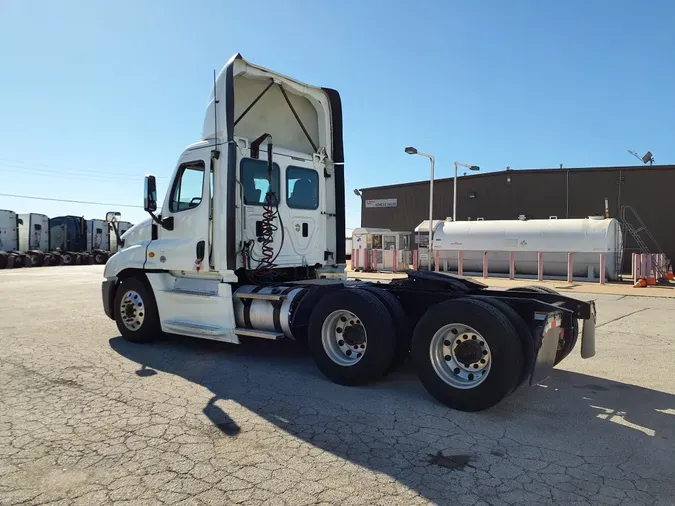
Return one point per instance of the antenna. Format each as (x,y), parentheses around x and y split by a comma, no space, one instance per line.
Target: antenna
(647,159)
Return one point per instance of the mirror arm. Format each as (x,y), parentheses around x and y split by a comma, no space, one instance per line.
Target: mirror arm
(155,218)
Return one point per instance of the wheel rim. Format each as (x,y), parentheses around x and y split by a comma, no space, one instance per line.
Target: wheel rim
(344,338)
(460,356)
(132,310)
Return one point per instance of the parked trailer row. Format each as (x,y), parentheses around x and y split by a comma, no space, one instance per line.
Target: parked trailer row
(33,240)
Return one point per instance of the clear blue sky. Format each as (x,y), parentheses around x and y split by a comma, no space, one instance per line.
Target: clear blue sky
(93,95)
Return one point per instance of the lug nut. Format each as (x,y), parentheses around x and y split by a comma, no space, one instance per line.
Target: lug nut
(338,330)
(358,355)
(481,343)
(455,331)
(474,337)
(341,342)
(482,360)
(456,370)
(475,366)
(447,357)
(470,376)
(446,343)
(343,318)
(485,352)
(349,352)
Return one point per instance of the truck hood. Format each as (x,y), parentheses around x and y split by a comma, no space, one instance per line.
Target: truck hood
(138,233)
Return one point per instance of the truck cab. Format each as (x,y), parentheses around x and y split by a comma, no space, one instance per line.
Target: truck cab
(259,198)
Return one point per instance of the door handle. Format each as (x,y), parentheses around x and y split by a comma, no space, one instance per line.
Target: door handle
(201,247)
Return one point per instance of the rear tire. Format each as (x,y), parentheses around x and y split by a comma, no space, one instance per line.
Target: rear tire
(523,332)
(4,260)
(369,342)
(401,324)
(36,259)
(17,260)
(467,354)
(136,311)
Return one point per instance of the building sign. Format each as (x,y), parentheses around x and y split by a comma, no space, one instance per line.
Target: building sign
(381,202)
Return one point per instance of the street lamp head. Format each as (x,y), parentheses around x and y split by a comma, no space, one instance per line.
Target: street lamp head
(474,167)
(357,192)
(410,150)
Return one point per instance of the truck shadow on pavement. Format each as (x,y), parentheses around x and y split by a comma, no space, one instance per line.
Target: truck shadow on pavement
(571,431)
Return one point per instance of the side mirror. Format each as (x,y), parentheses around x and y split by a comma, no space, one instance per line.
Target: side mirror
(112,216)
(150,201)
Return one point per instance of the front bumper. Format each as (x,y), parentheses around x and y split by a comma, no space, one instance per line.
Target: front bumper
(108,296)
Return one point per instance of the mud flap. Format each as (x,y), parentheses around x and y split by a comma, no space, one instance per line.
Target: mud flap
(588,334)
(547,342)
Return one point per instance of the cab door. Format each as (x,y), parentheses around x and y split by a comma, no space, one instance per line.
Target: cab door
(254,179)
(183,238)
(304,202)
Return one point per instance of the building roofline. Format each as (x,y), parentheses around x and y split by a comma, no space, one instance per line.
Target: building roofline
(529,171)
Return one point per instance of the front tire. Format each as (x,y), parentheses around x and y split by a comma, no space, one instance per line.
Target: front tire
(467,354)
(136,311)
(351,337)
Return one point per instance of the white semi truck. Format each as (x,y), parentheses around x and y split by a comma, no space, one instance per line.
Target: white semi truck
(249,243)
(98,240)
(33,230)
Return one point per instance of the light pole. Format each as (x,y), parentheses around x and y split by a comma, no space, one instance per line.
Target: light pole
(454,186)
(412,151)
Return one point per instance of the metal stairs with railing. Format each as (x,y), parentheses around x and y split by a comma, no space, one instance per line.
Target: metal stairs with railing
(633,225)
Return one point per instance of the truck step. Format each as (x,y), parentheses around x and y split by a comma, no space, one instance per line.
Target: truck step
(198,293)
(260,296)
(179,326)
(263,334)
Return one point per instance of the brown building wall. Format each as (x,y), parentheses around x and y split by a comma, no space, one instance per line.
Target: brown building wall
(571,193)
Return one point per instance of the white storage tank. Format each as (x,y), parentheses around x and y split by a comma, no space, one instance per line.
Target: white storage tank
(585,238)
(33,232)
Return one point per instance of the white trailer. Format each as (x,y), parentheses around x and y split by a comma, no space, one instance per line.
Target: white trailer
(10,257)
(34,238)
(122,226)
(98,240)
(249,243)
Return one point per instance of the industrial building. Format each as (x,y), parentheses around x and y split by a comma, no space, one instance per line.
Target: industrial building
(537,194)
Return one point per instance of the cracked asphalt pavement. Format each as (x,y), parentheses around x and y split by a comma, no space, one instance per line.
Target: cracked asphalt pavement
(87,418)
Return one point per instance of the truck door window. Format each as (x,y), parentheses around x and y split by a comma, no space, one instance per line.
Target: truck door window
(254,180)
(302,188)
(187,188)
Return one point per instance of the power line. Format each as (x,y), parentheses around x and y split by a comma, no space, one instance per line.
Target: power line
(68,201)
(49,168)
